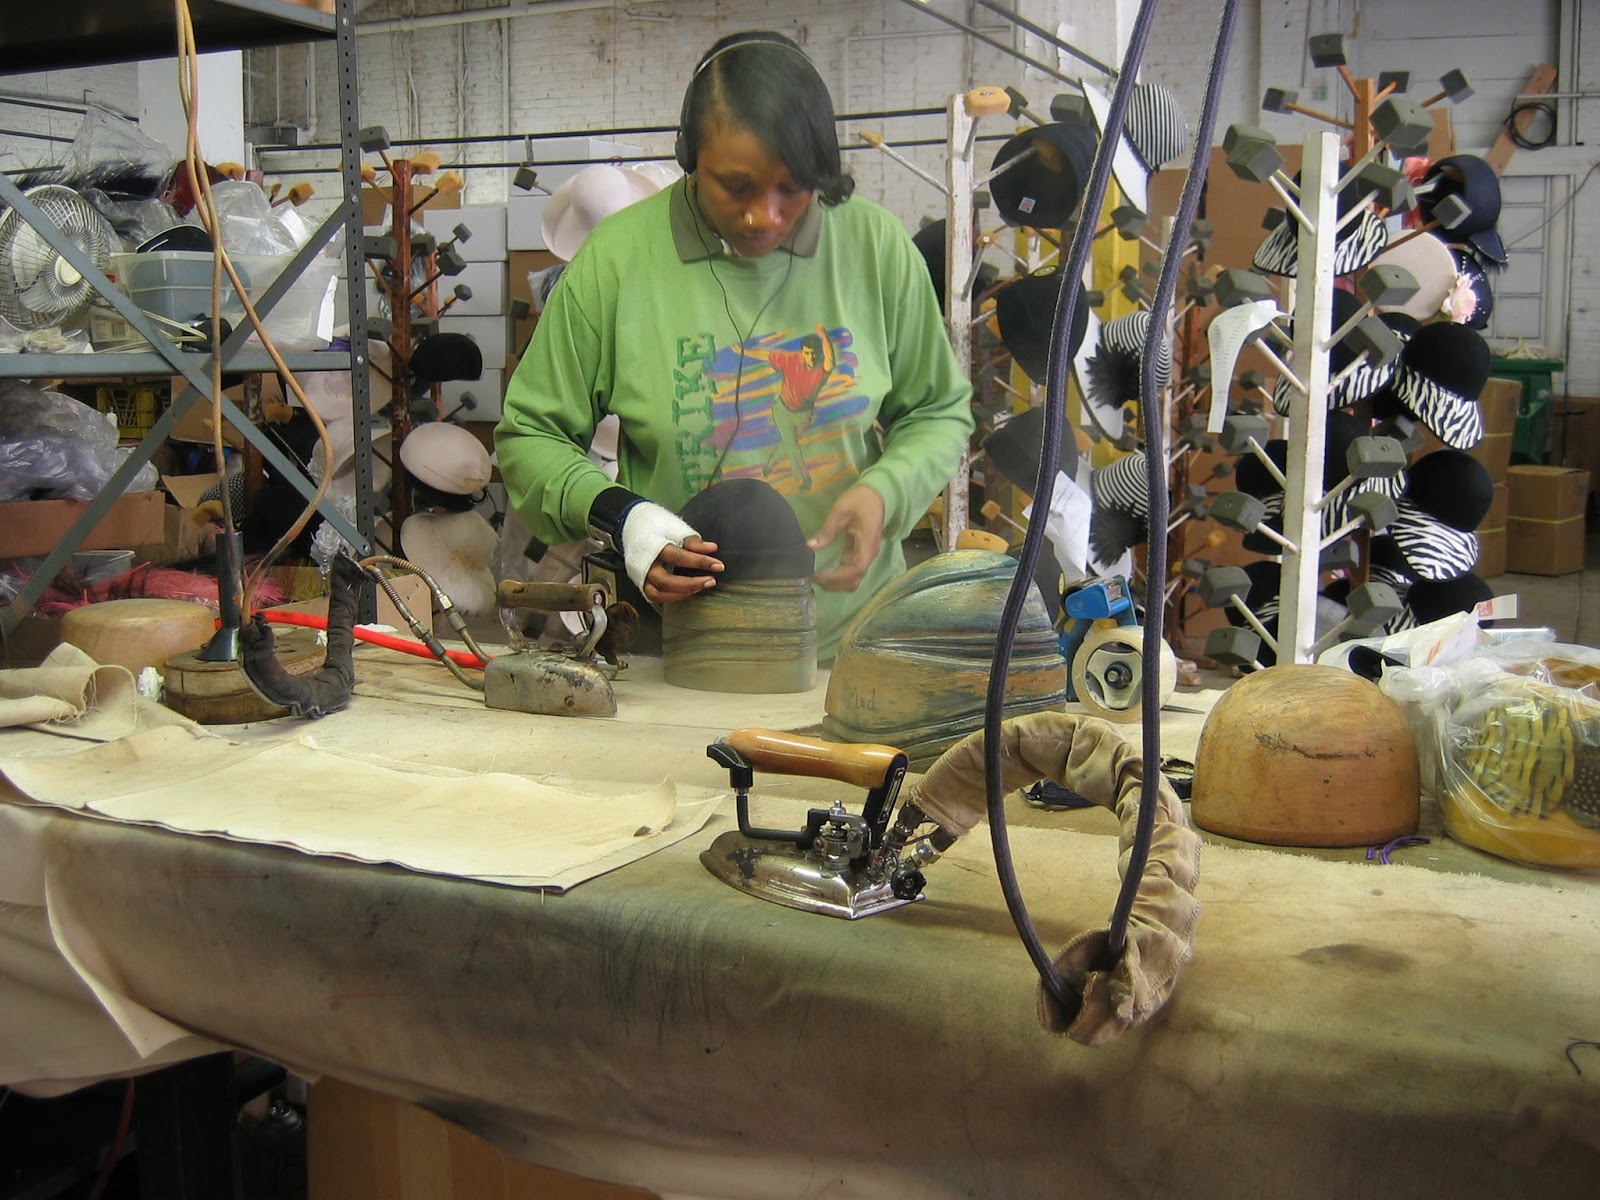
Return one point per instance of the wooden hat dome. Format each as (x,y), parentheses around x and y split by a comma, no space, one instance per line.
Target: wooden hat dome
(1301,755)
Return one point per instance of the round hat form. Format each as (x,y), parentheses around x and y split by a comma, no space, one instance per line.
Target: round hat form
(1026,312)
(457,549)
(582,201)
(1301,755)
(913,665)
(446,458)
(138,632)
(756,532)
(1043,190)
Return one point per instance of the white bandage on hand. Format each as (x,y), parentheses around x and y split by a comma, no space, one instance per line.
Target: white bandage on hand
(646,529)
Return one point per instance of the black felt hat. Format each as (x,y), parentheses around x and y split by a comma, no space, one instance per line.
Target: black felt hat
(1475,182)
(441,357)
(1355,387)
(1044,190)
(930,242)
(1026,313)
(1266,583)
(1356,244)
(1433,601)
(1446,497)
(1114,368)
(1014,448)
(1442,370)
(756,532)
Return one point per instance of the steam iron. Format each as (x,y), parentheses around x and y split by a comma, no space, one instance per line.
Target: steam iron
(842,864)
(549,682)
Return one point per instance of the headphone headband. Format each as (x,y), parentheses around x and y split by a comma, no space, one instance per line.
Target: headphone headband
(682,147)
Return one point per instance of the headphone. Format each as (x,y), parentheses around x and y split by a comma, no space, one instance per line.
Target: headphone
(683,148)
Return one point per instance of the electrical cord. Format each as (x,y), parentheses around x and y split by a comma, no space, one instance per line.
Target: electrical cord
(1022,581)
(1059,366)
(1156,463)
(1514,130)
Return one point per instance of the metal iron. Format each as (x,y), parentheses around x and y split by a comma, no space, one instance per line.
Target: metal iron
(574,682)
(842,864)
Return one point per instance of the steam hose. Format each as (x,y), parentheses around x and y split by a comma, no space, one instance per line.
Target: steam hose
(1067,997)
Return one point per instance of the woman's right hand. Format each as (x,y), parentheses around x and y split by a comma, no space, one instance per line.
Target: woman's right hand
(663,586)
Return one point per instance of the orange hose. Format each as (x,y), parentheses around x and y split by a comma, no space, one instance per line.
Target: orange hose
(387,640)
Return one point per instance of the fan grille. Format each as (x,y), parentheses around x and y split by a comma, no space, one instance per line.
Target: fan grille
(39,287)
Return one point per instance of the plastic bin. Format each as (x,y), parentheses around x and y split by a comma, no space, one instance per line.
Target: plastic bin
(1530,439)
(176,284)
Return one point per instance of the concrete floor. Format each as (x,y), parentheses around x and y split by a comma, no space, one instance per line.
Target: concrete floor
(1569,604)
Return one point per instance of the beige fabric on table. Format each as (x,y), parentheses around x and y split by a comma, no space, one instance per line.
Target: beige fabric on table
(496,827)
(1091,757)
(72,695)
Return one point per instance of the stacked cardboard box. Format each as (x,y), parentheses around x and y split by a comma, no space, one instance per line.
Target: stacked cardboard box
(1544,521)
(1498,404)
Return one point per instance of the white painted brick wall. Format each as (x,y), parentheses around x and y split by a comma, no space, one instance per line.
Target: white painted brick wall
(1583,351)
(116,87)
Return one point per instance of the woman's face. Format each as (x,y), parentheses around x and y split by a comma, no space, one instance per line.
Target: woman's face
(745,192)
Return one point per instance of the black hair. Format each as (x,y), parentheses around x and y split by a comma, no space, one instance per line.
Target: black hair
(764,82)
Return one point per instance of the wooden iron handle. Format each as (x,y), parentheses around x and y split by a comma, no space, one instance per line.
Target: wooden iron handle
(550,597)
(864,765)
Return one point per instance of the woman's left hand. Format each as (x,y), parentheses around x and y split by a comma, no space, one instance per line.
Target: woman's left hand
(857,516)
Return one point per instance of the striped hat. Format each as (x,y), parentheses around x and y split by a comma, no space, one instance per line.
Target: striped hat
(1121,497)
(1115,365)
(1153,134)
(1447,495)
(1355,245)
(1442,369)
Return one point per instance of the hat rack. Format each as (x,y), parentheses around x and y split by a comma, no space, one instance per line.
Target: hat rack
(407,265)
(1297,342)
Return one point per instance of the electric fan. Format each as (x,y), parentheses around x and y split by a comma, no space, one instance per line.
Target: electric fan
(38,286)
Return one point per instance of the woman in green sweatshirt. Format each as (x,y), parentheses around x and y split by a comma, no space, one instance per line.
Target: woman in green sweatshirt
(752,320)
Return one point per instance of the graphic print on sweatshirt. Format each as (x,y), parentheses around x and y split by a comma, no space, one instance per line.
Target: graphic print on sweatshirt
(785,403)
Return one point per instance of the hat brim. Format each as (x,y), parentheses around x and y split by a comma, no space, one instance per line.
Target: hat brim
(1489,244)
(1433,550)
(1455,420)
(1132,176)
(1363,240)
(564,229)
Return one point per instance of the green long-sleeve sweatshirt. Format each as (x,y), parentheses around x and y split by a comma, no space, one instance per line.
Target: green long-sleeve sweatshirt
(822,365)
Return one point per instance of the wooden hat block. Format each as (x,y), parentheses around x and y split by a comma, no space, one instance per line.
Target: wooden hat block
(138,632)
(1302,755)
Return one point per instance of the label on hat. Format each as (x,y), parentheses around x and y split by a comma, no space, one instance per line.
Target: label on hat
(1496,608)
(1026,204)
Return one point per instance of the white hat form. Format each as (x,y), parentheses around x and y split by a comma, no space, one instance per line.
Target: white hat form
(457,549)
(587,198)
(1433,267)
(662,174)
(446,457)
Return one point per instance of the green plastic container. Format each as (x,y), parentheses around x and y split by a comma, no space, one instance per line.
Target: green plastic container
(1530,439)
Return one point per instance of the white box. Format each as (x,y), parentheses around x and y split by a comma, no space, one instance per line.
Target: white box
(523,214)
(492,334)
(488,283)
(488,394)
(486,221)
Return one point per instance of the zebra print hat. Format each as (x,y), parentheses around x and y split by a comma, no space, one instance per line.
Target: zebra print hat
(1442,369)
(1447,495)
(1360,384)
(1355,245)
(1114,367)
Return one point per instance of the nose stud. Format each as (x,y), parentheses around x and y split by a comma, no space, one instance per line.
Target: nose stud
(749,221)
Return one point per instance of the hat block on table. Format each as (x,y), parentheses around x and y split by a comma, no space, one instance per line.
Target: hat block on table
(1302,755)
(138,632)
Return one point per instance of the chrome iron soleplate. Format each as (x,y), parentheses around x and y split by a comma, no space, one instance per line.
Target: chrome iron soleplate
(786,875)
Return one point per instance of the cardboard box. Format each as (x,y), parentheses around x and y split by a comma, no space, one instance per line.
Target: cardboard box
(493,334)
(520,265)
(1494,452)
(523,215)
(1491,553)
(34,527)
(1497,405)
(1547,493)
(1535,547)
(488,395)
(486,223)
(375,202)
(488,283)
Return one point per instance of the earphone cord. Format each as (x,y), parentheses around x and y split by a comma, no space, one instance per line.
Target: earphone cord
(727,307)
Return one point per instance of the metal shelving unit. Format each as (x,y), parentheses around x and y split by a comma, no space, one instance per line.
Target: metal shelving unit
(83,32)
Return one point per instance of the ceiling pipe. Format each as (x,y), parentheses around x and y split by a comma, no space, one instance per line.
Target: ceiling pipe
(505,12)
